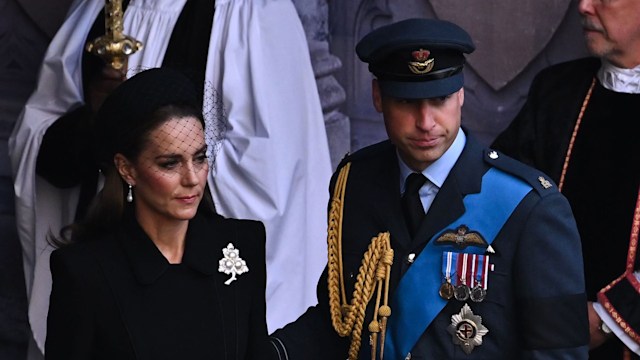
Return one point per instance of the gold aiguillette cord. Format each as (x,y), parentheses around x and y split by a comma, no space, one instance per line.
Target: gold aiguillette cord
(374,272)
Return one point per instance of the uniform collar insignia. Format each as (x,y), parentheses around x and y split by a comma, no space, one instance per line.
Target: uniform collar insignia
(231,263)
(462,237)
(467,329)
(544,182)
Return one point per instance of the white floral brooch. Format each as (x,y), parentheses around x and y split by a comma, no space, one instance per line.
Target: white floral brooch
(232,263)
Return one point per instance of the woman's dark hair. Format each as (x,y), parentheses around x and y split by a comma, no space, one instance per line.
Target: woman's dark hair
(123,125)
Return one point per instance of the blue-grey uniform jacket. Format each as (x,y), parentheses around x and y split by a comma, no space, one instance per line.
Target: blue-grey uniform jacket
(535,306)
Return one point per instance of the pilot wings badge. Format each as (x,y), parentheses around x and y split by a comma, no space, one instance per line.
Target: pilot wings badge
(462,237)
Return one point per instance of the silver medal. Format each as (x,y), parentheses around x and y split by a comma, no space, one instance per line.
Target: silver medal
(461,292)
(478,293)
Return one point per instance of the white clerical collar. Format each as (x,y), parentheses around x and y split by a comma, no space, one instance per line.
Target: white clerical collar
(619,79)
(438,171)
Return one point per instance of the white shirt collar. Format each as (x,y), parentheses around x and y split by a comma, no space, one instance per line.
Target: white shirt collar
(438,171)
(619,79)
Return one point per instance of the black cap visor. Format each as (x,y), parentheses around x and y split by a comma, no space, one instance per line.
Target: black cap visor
(422,89)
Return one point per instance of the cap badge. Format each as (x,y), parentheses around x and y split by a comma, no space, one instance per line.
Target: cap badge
(467,329)
(232,263)
(421,64)
(462,237)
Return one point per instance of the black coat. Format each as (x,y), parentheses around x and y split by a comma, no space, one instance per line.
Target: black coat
(535,306)
(117,297)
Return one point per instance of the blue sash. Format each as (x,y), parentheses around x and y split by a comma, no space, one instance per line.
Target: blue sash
(416,301)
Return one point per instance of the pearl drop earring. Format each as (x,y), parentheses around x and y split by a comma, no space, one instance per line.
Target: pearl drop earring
(130,194)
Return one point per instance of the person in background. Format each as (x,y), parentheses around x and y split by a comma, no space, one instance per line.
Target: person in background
(152,272)
(577,126)
(440,248)
(272,166)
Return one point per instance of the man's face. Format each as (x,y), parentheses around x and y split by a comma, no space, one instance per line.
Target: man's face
(612,30)
(423,129)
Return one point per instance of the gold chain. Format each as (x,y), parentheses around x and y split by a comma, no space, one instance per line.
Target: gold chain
(572,141)
(633,242)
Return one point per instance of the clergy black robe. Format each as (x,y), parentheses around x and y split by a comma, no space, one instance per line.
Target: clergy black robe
(603,174)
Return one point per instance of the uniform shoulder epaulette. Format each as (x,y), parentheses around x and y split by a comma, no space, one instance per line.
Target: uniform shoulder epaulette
(365,153)
(541,182)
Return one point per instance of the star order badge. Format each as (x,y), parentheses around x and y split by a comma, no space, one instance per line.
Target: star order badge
(232,263)
(467,329)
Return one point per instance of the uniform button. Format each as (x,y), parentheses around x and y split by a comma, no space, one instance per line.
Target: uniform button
(408,357)
(411,258)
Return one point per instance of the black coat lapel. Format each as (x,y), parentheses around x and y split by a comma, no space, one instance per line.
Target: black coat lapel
(227,295)
(120,275)
(386,181)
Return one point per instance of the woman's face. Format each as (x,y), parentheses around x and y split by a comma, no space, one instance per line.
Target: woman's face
(170,174)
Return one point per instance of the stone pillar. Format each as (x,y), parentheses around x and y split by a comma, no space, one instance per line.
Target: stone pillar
(314,16)
(350,21)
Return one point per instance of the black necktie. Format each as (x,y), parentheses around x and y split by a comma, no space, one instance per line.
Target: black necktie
(411,204)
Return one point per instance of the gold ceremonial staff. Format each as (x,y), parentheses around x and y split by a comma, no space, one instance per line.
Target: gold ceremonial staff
(114,46)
